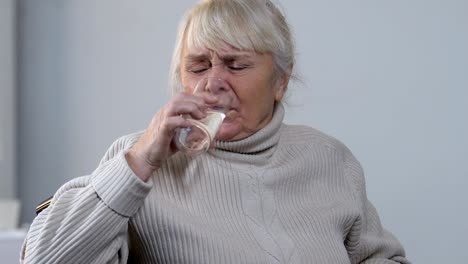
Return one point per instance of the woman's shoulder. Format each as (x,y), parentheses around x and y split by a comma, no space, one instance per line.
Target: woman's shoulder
(306,135)
(128,140)
(121,144)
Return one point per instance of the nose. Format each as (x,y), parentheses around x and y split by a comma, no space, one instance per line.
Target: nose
(217,78)
(217,85)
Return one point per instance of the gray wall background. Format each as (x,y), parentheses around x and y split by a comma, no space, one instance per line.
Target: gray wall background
(388,78)
(7,99)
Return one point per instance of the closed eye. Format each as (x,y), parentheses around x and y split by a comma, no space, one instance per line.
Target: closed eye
(198,70)
(239,67)
(199,67)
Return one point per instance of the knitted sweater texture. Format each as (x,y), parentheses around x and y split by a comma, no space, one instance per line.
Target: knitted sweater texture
(287,194)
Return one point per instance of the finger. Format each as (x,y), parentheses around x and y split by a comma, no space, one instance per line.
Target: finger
(181,104)
(170,124)
(209,98)
(199,97)
(186,108)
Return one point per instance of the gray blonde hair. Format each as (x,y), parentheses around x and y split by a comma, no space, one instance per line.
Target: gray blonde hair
(256,25)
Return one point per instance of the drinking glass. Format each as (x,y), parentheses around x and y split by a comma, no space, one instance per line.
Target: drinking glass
(198,137)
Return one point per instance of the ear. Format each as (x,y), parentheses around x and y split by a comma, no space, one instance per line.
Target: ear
(283,85)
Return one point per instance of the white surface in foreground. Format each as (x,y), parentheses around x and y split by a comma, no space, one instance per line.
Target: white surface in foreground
(10,245)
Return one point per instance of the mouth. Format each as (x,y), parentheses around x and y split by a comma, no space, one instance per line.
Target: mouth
(218,108)
(230,115)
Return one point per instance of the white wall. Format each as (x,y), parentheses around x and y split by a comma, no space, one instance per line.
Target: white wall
(7,99)
(389,78)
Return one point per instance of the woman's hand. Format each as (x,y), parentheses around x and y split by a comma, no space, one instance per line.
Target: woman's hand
(156,144)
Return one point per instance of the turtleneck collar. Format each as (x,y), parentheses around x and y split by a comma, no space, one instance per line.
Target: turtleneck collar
(259,145)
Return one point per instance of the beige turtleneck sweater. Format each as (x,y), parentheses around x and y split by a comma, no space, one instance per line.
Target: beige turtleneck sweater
(287,194)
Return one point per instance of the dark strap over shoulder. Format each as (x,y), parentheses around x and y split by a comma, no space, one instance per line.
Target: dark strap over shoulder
(43,205)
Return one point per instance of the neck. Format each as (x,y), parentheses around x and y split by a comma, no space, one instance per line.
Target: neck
(261,144)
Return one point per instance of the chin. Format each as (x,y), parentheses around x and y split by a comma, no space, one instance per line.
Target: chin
(229,132)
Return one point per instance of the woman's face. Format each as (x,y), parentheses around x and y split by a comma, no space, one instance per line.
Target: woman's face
(253,85)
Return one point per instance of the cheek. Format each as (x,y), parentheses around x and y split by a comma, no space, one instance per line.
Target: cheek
(190,88)
(188,82)
(187,89)
(256,101)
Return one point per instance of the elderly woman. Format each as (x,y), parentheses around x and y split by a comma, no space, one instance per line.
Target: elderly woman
(265,192)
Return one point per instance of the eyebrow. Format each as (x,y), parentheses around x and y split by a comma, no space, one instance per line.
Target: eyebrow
(196,57)
(226,57)
(231,57)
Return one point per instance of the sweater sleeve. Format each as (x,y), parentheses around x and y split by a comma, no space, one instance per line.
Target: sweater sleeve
(367,241)
(88,218)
